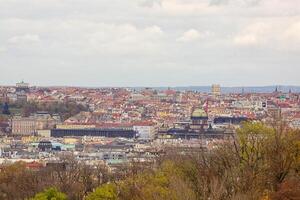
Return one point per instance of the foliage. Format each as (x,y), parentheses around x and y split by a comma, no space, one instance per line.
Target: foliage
(50,194)
(64,109)
(105,192)
(18,182)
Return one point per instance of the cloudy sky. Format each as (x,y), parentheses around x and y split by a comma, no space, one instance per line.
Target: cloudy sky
(150,42)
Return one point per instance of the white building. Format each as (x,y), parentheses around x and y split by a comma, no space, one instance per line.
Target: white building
(145,132)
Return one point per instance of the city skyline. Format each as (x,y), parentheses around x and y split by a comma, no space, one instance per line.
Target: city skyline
(150,43)
(164,87)
(149,99)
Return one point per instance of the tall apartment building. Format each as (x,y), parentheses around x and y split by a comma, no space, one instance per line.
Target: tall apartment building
(216,90)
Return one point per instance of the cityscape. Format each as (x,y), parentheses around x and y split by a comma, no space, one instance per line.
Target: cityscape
(113,127)
(149,100)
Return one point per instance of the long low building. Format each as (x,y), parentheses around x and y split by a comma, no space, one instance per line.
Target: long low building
(101,132)
(230,120)
(177,133)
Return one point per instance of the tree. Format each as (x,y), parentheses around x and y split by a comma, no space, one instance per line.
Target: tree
(289,189)
(105,192)
(17,182)
(50,194)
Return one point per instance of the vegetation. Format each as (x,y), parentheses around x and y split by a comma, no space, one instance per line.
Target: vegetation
(105,192)
(76,180)
(50,194)
(64,109)
(261,162)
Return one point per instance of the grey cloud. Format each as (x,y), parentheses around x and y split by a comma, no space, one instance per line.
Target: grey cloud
(149,42)
(235,2)
(219,2)
(252,2)
(150,3)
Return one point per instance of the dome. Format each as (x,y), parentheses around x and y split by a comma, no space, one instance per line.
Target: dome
(199,113)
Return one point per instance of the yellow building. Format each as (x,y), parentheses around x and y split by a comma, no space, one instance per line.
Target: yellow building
(71,140)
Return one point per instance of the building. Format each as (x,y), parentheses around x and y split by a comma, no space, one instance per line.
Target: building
(100,132)
(32,124)
(75,126)
(199,120)
(46,145)
(197,128)
(12,97)
(23,125)
(44,133)
(145,132)
(188,134)
(21,98)
(22,86)
(45,121)
(216,90)
(3,96)
(4,127)
(226,120)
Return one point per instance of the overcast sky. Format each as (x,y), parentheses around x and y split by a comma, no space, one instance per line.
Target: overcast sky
(150,42)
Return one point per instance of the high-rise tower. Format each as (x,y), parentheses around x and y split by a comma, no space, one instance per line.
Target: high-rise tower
(216,90)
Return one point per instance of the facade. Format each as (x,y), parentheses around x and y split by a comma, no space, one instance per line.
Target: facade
(23,125)
(75,126)
(45,121)
(100,132)
(32,124)
(229,120)
(199,120)
(21,98)
(145,132)
(188,134)
(44,133)
(22,86)
(197,128)
(4,127)
(46,145)
(12,97)
(216,90)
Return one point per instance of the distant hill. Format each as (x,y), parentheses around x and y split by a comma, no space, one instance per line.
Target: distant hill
(248,89)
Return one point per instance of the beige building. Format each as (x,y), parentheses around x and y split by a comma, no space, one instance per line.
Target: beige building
(32,124)
(23,125)
(216,90)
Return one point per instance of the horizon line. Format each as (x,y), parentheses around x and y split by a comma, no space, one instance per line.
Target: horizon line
(162,86)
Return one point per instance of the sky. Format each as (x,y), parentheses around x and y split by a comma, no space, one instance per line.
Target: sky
(150,42)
